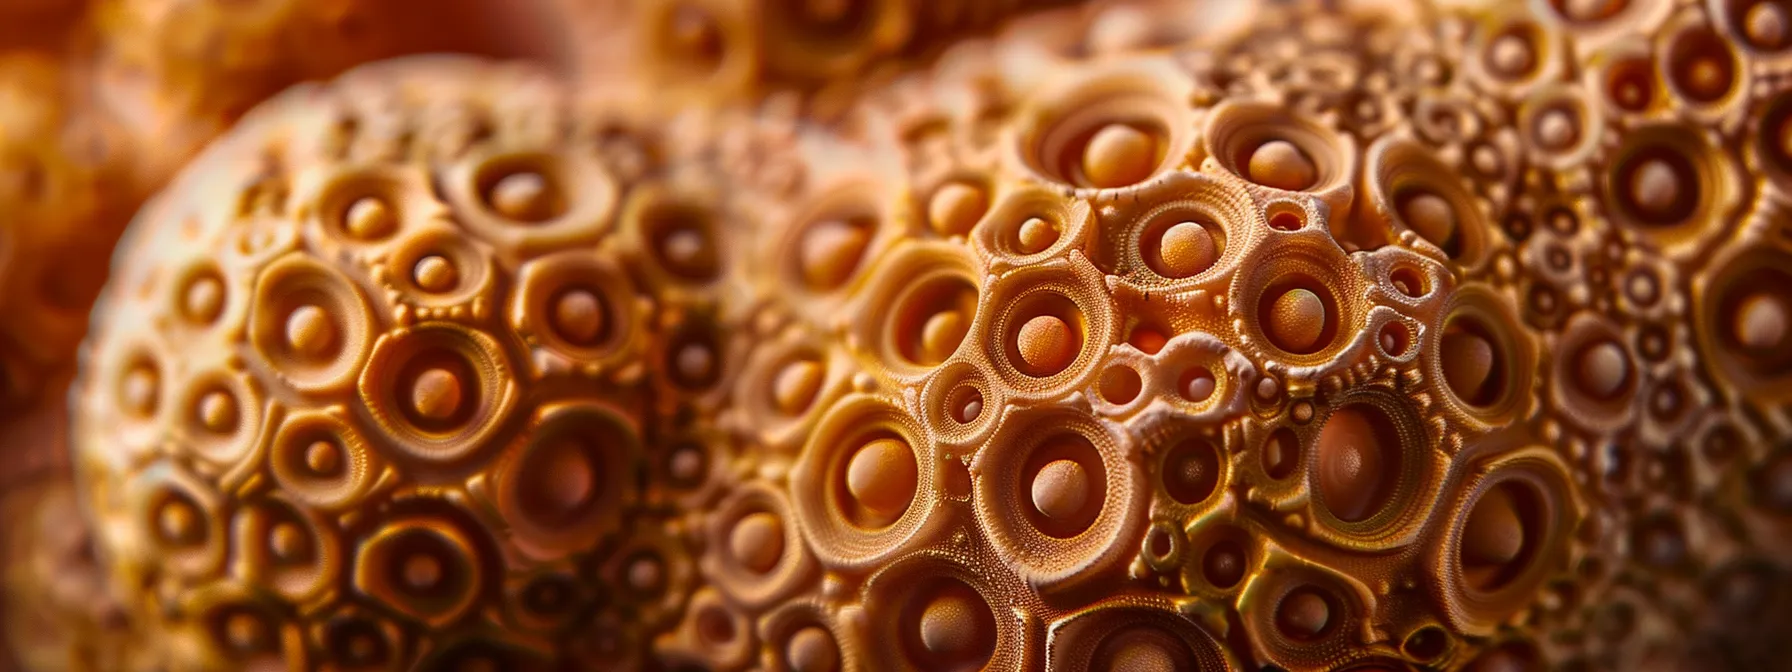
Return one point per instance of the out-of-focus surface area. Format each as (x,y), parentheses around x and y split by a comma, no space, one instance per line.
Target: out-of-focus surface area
(822,335)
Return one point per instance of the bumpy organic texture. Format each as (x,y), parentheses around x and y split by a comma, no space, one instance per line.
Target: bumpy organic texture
(102,101)
(1286,338)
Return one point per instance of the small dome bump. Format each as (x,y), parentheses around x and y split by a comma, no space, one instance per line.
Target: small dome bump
(436,394)
(955,208)
(1143,654)
(1282,165)
(647,574)
(694,362)
(795,386)
(882,477)
(956,624)
(1430,216)
(685,248)
(1061,489)
(1655,187)
(1304,614)
(579,317)
(1191,471)
(1198,385)
(138,390)
(1036,234)
(561,480)
(941,334)
(1602,370)
(812,649)
(1187,248)
(1224,564)
(1119,155)
(1511,55)
(217,412)
(435,274)
(310,332)
(323,458)
(1046,344)
(757,541)
(523,196)
(1591,10)
(1354,469)
(423,571)
(288,542)
(1493,535)
(1762,323)
(178,522)
(1296,321)
(1468,362)
(1765,25)
(369,218)
(245,632)
(203,300)
(830,252)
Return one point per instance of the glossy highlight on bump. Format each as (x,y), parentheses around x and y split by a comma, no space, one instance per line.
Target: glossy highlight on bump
(858,335)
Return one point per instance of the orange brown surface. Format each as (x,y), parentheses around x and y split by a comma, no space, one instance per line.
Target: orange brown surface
(1252,337)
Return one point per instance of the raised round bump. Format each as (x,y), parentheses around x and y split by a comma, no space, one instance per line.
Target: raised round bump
(1118,155)
(1283,165)
(881,476)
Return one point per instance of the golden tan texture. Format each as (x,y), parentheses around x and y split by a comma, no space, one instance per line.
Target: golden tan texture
(1467,362)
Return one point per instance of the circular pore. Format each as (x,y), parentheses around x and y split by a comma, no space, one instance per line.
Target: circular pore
(1753,317)
(931,319)
(1181,244)
(1657,184)
(1143,649)
(1191,471)
(1065,483)
(522,188)
(1358,462)
(1432,216)
(1112,141)
(830,250)
(1044,334)
(561,480)
(1701,66)
(1306,614)
(947,625)
(1499,536)
(1298,314)
(437,391)
(1474,362)
(1280,164)
(880,481)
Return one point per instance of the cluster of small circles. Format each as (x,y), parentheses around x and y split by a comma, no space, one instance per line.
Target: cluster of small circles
(1330,340)
(1643,276)
(1309,321)
(106,99)
(397,378)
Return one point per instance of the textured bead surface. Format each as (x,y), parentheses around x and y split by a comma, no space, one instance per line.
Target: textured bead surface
(1317,338)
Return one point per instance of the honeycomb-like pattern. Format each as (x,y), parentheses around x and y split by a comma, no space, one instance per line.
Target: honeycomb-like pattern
(102,100)
(1301,338)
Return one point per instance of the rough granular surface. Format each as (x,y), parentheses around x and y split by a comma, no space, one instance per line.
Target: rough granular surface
(1373,338)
